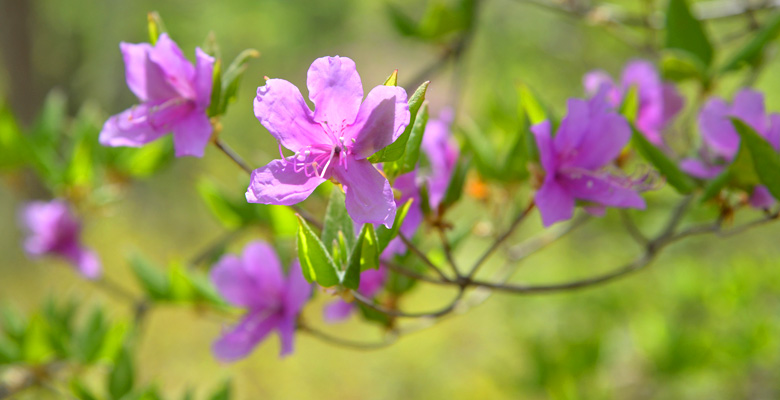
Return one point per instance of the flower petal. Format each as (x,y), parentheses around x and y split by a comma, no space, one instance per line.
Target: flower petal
(280,107)
(601,189)
(179,71)
(554,202)
(336,91)
(595,81)
(286,330)
(773,132)
(381,120)
(191,134)
(234,282)
(144,78)
(700,169)
(240,341)
(544,142)
(748,106)
(265,269)
(204,78)
(130,128)
(605,137)
(369,196)
(717,131)
(372,281)
(298,290)
(88,264)
(337,311)
(278,183)
(574,126)
(761,198)
(442,153)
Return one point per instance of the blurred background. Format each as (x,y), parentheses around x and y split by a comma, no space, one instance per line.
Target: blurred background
(703,322)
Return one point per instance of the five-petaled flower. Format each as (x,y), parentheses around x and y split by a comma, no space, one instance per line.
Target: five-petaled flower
(589,138)
(256,282)
(54,230)
(174,97)
(659,102)
(721,141)
(332,142)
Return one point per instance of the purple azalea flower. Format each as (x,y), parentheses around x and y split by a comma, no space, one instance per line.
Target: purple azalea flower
(174,97)
(659,102)
(371,283)
(589,138)
(53,230)
(442,152)
(256,282)
(408,187)
(721,140)
(332,142)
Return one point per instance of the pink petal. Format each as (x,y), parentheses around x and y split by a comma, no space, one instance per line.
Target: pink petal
(369,196)
(338,311)
(748,106)
(554,202)
(234,282)
(179,71)
(442,152)
(144,78)
(297,292)
(130,128)
(544,143)
(699,169)
(286,330)
(204,77)
(596,81)
(603,190)
(761,198)
(267,276)
(573,127)
(240,341)
(717,131)
(381,119)
(773,132)
(281,109)
(191,134)
(336,91)
(605,137)
(278,183)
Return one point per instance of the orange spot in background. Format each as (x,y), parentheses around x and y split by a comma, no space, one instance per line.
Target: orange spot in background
(476,187)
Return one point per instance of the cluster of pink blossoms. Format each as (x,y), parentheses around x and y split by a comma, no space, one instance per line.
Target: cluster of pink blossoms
(333,142)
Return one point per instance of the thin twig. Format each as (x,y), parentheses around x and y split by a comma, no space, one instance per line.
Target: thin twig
(232,155)
(352,344)
(402,314)
(413,274)
(500,240)
(422,256)
(445,243)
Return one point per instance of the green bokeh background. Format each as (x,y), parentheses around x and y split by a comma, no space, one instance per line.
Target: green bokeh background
(703,322)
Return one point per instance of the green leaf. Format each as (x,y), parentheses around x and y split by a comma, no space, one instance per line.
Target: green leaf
(216,90)
(152,279)
(766,160)
(533,109)
(752,53)
(121,377)
(232,77)
(316,262)
(630,106)
(395,150)
(458,180)
(222,393)
(685,32)
(384,234)
(364,256)
(484,151)
(147,160)
(14,148)
(92,336)
(668,168)
(219,206)
(51,121)
(680,65)
(392,80)
(337,220)
(402,23)
(409,159)
(81,391)
(155,25)
(181,285)
(9,351)
(13,324)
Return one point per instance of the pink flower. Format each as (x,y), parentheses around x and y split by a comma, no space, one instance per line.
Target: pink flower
(589,138)
(332,142)
(53,230)
(442,152)
(371,282)
(659,102)
(256,282)
(174,97)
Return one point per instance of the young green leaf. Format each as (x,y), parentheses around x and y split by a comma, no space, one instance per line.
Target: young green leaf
(222,393)
(753,51)
(232,77)
(316,263)
(337,220)
(457,182)
(152,279)
(680,65)
(533,108)
(766,160)
(155,25)
(395,150)
(392,80)
(386,235)
(365,255)
(408,160)
(92,336)
(630,106)
(122,376)
(219,206)
(216,90)
(674,176)
(685,32)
